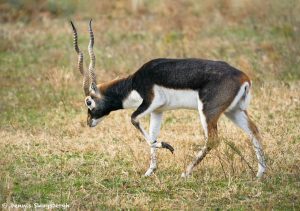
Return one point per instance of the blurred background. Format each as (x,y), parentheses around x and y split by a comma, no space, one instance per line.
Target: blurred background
(46,148)
(258,37)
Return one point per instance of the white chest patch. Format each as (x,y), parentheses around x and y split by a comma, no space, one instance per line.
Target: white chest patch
(175,98)
(133,100)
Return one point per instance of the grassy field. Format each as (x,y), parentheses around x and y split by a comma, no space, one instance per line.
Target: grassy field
(49,155)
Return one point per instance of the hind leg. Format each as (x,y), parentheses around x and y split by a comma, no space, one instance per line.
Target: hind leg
(242,120)
(209,123)
(210,143)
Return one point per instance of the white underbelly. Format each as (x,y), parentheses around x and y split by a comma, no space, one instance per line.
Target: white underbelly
(165,99)
(175,98)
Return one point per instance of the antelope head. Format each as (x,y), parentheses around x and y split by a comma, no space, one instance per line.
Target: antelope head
(97,105)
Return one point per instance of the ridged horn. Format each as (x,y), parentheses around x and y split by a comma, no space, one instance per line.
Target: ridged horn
(92,75)
(80,61)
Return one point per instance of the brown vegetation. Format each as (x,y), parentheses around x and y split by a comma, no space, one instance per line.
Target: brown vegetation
(48,154)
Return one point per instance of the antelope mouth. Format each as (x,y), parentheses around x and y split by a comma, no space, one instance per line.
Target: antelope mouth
(94,122)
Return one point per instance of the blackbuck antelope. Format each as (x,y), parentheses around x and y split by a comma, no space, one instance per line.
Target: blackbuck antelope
(211,87)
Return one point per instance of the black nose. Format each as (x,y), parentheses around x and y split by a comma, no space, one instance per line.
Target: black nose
(88,102)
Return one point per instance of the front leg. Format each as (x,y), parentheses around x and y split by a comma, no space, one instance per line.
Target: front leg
(154,129)
(142,111)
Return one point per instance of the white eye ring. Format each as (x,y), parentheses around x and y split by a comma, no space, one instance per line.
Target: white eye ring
(89,102)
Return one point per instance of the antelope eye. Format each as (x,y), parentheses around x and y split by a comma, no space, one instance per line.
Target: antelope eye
(88,102)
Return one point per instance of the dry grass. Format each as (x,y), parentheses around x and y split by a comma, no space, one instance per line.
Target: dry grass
(47,154)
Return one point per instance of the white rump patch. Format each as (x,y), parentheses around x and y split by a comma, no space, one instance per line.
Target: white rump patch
(238,100)
(246,101)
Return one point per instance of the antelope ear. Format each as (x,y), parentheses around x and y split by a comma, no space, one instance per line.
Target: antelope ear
(94,89)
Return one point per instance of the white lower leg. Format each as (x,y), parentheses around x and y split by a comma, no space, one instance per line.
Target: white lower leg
(155,123)
(153,162)
(200,155)
(260,157)
(241,119)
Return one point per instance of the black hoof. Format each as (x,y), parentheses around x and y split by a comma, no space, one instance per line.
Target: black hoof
(167,146)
